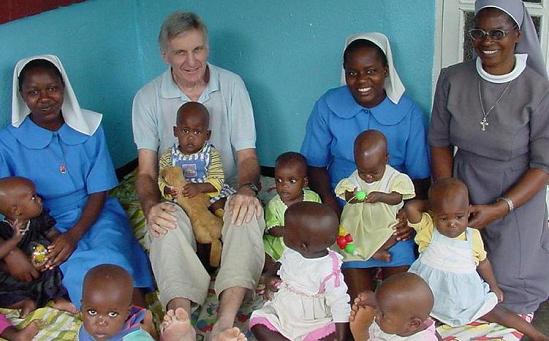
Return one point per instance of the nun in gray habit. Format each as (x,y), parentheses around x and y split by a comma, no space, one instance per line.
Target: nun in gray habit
(495,110)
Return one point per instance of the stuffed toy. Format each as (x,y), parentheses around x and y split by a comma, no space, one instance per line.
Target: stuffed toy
(206,226)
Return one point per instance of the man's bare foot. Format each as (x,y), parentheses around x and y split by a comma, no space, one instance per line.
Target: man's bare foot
(362,316)
(25,334)
(177,326)
(233,334)
(64,305)
(383,255)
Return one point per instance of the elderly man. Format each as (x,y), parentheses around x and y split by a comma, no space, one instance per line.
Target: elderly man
(180,276)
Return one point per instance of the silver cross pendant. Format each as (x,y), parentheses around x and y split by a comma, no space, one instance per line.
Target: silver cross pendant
(483,123)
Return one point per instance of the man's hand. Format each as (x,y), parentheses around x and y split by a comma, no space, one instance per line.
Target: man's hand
(161,219)
(20,267)
(243,205)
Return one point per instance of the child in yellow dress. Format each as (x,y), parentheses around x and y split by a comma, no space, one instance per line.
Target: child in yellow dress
(370,220)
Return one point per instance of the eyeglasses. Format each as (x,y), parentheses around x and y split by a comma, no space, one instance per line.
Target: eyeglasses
(479,34)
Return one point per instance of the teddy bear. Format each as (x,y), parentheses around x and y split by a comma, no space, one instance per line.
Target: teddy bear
(206,226)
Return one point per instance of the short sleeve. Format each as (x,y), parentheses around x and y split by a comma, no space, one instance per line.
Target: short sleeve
(539,136)
(215,172)
(417,154)
(145,122)
(101,176)
(479,253)
(317,141)
(274,213)
(403,184)
(242,117)
(424,231)
(439,130)
(345,185)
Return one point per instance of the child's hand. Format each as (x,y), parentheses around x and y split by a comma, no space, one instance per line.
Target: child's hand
(374,197)
(351,198)
(170,191)
(276,231)
(499,293)
(19,266)
(272,283)
(190,190)
(17,227)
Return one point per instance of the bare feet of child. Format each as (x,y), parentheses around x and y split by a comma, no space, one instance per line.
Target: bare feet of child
(383,255)
(64,305)
(233,334)
(177,326)
(26,306)
(362,316)
(25,334)
(148,325)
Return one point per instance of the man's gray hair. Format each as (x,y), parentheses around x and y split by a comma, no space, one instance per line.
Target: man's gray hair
(180,22)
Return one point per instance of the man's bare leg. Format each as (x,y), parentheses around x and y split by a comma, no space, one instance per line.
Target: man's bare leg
(179,302)
(229,302)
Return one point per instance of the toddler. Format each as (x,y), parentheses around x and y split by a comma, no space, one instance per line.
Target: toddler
(107,311)
(311,302)
(370,220)
(199,160)
(291,179)
(401,306)
(27,228)
(453,261)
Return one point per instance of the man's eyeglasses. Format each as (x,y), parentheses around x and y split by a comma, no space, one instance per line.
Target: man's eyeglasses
(479,34)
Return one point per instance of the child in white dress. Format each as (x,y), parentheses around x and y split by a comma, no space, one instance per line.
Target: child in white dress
(311,302)
(401,306)
(453,261)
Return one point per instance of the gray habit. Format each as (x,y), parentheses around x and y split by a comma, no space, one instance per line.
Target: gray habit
(491,161)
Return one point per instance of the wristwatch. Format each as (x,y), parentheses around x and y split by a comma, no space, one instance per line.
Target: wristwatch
(251,186)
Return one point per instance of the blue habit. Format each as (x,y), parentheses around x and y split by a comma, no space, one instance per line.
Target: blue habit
(67,166)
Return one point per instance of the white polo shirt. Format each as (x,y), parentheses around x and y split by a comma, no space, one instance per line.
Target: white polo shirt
(232,123)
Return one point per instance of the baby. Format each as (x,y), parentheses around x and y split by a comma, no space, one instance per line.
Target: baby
(453,261)
(26,232)
(108,314)
(369,220)
(311,302)
(401,306)
(291,179)
(107,311)
(199,160)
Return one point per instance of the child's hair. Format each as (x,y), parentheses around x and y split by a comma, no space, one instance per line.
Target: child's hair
(413,296)
(315,224)
(291,158)
(108,273)
(446,187)
(370,139)
(37,64)
(196,107)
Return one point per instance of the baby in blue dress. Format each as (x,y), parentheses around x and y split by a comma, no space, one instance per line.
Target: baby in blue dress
(453,261)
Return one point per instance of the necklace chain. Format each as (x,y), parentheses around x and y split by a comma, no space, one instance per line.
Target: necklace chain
(485,113)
